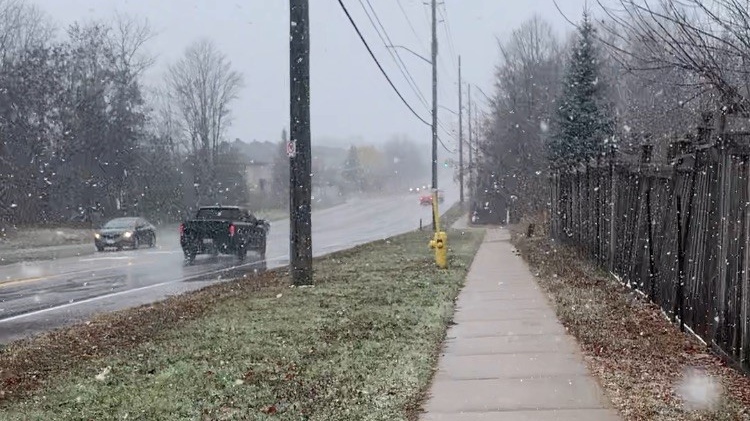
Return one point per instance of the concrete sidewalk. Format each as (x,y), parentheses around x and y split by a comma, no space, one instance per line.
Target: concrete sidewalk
(462,223)
(508,357)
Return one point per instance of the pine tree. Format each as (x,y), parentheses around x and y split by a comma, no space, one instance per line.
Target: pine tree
(582,121)
(353,172)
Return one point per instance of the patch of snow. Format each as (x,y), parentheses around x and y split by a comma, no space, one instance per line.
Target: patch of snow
(103,375)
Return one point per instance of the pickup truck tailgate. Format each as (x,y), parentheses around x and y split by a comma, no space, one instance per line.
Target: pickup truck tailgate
(214,230)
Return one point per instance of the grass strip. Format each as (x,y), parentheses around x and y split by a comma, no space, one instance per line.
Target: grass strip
(361,344)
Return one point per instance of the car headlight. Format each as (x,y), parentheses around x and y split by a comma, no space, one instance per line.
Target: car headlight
(97,236)
(128,234)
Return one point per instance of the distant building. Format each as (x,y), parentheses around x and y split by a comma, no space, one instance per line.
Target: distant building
(257,158)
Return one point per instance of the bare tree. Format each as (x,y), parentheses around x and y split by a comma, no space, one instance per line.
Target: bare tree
(203,85)
(513,147)
(710,41)
(23,27)
(165,120)
(127,40)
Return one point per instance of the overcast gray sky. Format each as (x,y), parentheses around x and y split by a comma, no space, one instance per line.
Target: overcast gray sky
(349,96)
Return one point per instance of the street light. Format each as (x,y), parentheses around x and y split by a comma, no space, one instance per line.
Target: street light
(411,51)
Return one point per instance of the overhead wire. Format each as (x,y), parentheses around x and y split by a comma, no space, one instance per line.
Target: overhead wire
(387,42)
(375,59)
(388,78)
(440,56)
(448,33)
(411,25)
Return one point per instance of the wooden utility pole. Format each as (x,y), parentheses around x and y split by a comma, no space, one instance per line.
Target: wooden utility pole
(298,147)
(434,105)
(471,162)
(460,137)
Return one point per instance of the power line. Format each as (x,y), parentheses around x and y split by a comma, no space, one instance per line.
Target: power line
(440,56)
(440,124)
(369,50)
(445,147)
(408,21)
(375,59)
(394,54)
(448,32)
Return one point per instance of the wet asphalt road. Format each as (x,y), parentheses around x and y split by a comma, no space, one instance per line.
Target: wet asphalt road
(41,295)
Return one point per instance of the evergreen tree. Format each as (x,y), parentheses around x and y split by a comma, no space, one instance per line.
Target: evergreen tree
(353,173)
(582,122)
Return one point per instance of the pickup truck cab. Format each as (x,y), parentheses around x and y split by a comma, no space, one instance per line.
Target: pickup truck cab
(223,230)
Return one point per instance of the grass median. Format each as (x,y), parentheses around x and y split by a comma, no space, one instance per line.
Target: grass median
(361,344)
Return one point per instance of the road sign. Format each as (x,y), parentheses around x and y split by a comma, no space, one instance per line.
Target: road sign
(291,148)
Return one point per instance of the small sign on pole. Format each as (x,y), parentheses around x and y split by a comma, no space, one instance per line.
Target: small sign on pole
(291,148)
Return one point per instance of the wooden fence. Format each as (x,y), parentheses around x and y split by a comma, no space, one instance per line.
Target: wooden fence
(678,232)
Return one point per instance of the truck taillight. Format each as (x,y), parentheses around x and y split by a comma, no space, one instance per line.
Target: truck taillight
(231,230)
(182,230)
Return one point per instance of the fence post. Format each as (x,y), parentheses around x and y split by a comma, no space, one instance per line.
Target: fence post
(612,203)
(745,278)
(679,305)
(683,239)
(599,212)
(719,320)
(647,151)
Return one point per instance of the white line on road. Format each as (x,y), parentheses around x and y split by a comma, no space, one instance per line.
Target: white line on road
(116,294)
(95,259)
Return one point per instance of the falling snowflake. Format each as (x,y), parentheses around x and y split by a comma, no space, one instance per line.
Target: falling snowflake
(103,375)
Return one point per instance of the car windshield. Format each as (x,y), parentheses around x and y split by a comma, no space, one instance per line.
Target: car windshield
(120,224)
(224,214)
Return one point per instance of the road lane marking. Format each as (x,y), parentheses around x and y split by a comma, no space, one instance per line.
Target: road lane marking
(11,282)
(128,291)
(95,259)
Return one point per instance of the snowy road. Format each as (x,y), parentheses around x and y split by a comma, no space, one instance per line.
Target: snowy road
(42,295)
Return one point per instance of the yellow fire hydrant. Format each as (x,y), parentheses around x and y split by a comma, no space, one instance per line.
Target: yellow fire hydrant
(439,241)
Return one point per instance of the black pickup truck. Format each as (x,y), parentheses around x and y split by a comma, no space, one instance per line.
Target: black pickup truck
(225,230)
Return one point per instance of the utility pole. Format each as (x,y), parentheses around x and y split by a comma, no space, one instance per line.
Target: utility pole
(460,137)
(471,162)
(298,148)
(434,105)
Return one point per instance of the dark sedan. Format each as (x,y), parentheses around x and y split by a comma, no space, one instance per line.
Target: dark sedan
(125,232)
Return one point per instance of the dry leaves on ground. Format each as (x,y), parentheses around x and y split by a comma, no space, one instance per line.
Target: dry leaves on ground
(648,368)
